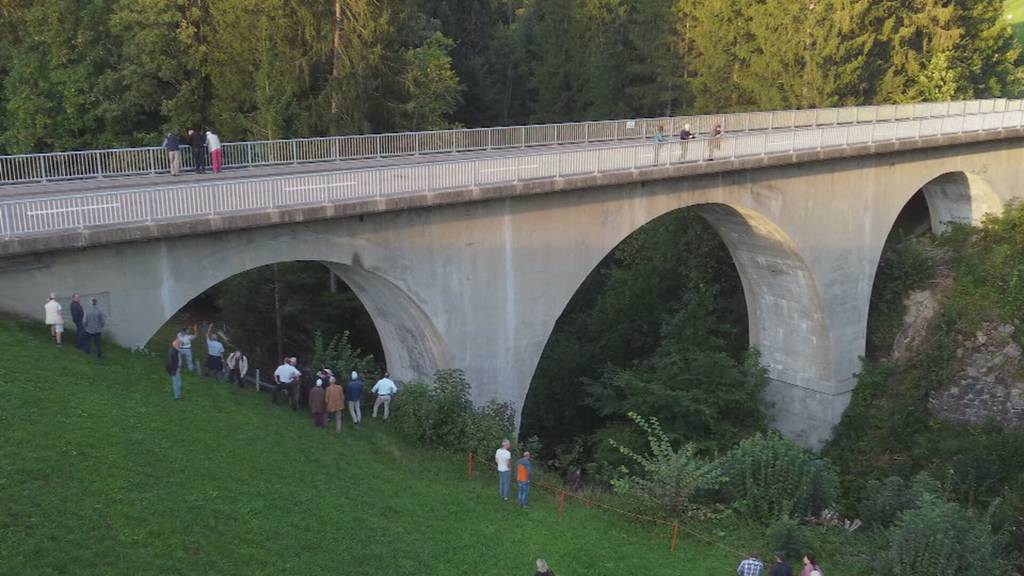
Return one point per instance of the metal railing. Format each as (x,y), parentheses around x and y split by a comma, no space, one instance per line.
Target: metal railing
(35,216)
(25,168)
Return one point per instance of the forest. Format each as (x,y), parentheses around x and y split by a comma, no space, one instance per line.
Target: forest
(77,74)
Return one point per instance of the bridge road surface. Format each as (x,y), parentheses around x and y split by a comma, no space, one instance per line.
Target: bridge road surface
(780,140)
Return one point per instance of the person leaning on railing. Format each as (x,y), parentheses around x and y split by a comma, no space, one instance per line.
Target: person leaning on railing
(172,145)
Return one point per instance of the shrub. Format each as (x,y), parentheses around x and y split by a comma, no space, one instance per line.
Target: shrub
(441,415)
(884,500)
(786,536)
(766,477)
(940,538)
(668,480)
(342,357)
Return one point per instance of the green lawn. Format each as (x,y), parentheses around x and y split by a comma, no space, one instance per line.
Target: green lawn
(1014,11)
(101,472)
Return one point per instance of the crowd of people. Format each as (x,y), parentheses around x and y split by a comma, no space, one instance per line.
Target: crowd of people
(89,323)
(196,142)
(753,566)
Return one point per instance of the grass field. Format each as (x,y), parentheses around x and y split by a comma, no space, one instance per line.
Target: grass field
(1014,11)
(101,472)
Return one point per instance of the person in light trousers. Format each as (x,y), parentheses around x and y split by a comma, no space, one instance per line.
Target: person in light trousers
(503,458)
(384,389)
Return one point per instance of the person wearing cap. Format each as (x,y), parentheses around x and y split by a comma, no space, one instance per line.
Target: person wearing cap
(353,397)
(54,318)
(335,397)
(316,403)
(384,389)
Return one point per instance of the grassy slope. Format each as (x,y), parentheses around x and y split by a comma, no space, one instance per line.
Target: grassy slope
(1014,11)
(102,473)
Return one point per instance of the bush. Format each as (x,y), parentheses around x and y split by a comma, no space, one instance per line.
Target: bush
(340,356)
(786,536)
(669,480)
(441,415)
(885,500)
(767,477)
(940,538)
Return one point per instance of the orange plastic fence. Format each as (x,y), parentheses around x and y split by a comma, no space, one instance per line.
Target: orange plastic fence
(562,495)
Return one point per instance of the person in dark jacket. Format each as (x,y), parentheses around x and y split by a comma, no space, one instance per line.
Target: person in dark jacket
(172,145)
(78,317)
(780,567)
(173,367)
(93,323)
(196,142)
(353,397)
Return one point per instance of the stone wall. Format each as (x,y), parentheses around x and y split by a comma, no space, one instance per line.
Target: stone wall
(989,385)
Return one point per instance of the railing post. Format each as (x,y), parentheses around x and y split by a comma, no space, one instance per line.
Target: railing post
(918,127)
(295,151)
(99,165)
(377,140)
(820,136)
(586,133)
(771,120)
(489,132)
(248,155)
(42,168)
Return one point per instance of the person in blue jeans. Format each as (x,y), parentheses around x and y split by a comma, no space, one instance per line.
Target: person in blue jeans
(174,367)
(524,472)
(503,458)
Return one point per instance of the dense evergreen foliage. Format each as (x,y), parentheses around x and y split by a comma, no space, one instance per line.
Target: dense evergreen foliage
(95,73)
(658,329)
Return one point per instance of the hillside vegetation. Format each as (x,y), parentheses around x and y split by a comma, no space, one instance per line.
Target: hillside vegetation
(101,472)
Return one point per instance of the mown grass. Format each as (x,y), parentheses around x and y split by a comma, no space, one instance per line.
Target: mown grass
(101,472)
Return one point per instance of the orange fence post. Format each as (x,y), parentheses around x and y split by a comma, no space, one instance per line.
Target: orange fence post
(561,502)
(675,535)
(469,467)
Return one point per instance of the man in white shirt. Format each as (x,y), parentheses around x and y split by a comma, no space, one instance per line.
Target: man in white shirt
(216,154)
(54,317)
(384,389)
(286,377)
(502,458)
(185,338)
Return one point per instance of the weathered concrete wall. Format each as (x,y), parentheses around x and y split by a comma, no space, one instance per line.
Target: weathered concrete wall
(479,284)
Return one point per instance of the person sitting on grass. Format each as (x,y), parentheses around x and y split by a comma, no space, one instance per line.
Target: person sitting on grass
(316,403)
(335,397)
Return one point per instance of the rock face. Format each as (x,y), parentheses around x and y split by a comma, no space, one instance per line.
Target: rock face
(990,383)
(921,308)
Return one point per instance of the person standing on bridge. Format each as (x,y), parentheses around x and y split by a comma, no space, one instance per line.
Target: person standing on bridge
(195,143)
(54,318)
(216,154)
(716,141)
(94,323)
(173,367)
(384,389)
(172,145)
(78,317)
(354,398)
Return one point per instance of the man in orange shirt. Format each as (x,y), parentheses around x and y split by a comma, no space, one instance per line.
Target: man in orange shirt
(523,473)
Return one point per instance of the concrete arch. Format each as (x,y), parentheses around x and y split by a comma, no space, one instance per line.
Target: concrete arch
(786,314)
(959,198)
(412,345)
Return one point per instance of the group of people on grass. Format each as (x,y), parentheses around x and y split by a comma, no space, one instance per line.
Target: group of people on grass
(325,397)
(523,469)
(752,566)
(89,322)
